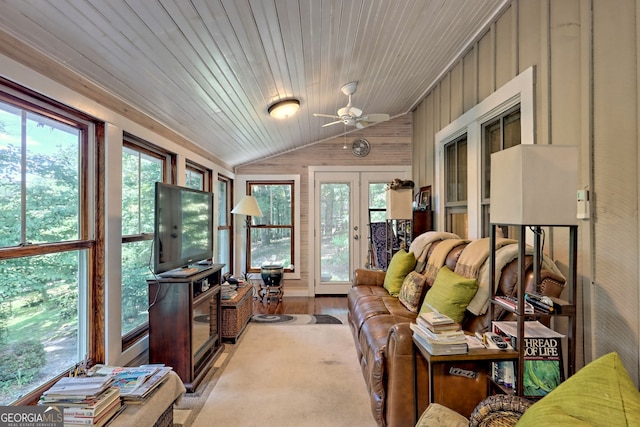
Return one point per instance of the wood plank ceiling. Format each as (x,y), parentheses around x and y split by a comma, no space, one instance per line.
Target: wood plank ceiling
(209,69)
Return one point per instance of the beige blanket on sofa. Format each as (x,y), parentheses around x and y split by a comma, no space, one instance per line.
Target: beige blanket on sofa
(504,255)
(421,244)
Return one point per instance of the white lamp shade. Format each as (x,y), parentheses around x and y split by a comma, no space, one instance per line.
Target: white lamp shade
(534,184)
(248,205)
(400,204)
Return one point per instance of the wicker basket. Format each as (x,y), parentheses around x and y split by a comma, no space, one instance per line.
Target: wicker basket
(236,313)
(500,410)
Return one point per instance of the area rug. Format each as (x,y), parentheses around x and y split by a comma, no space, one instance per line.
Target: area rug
(296,319)
(298,375)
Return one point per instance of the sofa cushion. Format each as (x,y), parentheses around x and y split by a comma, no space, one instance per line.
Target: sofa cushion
(401,264)
(450,294)
(599,394)
(412,290)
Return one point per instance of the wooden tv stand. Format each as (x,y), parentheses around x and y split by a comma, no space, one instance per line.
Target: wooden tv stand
(185,323)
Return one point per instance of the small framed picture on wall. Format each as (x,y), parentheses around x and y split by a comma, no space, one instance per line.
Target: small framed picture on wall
(424,198)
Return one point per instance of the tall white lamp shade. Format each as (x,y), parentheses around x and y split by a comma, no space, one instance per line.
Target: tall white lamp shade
(534,184)
(400,204)
(248,205)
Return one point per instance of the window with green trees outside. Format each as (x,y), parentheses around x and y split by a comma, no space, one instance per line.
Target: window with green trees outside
(45,243)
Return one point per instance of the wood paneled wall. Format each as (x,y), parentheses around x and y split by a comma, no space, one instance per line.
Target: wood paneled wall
(585,54)
(391,143)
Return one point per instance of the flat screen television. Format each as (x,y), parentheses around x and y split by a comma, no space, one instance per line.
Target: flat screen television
(183,228)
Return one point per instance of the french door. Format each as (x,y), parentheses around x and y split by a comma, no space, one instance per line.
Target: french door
(342,203)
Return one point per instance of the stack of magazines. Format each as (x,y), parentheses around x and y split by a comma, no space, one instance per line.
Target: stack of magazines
(136,384)
(228,292)
(85,401)
(439,334)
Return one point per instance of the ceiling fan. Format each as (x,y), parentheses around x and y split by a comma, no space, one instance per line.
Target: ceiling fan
(350,115)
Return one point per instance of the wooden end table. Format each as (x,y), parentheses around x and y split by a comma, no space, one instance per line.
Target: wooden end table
(449,374)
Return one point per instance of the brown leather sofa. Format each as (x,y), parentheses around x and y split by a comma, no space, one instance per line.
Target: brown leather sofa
(383,338)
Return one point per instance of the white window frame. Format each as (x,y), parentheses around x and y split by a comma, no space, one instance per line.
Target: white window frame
(239,232)
(520,90)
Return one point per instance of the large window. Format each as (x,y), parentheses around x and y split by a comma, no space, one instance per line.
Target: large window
(142,165)
(47,246)
(502,120)
(498,134)
(456,187)
(197,177)
(225,223)
(270,237)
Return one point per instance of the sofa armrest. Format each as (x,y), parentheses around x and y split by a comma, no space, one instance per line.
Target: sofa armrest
(363,276)
(400,340)
(499,409)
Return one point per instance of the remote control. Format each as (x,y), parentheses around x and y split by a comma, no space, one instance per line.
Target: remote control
(499,342)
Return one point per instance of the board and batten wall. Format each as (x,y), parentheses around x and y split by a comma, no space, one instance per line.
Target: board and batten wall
(586,55)
(391,143)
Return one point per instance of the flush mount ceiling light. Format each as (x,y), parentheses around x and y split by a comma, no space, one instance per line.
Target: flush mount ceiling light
(283,109)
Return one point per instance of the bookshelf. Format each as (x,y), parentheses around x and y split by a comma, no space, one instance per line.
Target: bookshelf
(568,311)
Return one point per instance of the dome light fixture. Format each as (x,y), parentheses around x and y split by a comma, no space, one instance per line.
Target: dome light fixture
(283,109)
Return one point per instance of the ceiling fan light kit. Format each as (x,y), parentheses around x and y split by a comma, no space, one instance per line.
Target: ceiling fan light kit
(284,108)
(350,115)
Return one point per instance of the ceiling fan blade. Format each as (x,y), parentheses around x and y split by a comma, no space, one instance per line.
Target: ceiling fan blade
(376,117)
(332,123)
(325,115)
(361,124)
(355,112)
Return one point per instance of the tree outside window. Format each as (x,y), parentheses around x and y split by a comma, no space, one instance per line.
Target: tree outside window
(142,165)
(45,245)
(270,237)
(225,223)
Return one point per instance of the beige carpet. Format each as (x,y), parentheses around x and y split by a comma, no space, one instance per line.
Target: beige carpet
(288,375)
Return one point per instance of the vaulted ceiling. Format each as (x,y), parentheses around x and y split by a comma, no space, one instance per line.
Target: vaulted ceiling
(209,69)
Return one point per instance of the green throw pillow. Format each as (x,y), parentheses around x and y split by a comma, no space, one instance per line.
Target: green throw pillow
(599,394)
(401,264)
(450,294)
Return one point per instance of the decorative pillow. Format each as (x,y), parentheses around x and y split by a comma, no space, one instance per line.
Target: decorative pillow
(599,394)
(438,415)
(401,264)
(450,294)
(412,290)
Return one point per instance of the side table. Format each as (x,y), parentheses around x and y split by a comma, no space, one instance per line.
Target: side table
(236,313)
(270,293)
(456,375)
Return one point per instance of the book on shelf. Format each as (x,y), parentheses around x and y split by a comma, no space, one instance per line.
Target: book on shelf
(543,362)
(439,347)
(546,303)
(512,303)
